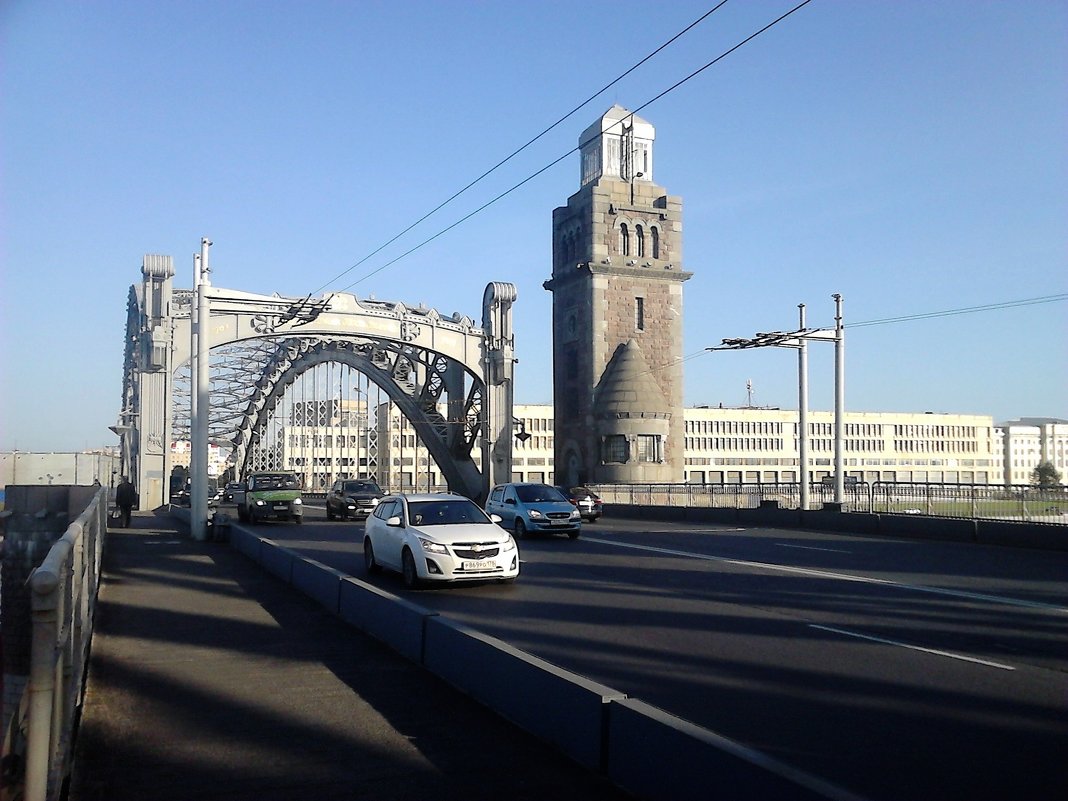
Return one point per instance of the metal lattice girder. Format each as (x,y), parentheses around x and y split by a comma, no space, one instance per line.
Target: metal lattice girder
(437,370)
(413,378)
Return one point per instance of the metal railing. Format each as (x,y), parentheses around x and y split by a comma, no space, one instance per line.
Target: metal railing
(63,603)
(1024,503)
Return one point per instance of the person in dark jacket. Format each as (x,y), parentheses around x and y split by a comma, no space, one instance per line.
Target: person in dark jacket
(125,498)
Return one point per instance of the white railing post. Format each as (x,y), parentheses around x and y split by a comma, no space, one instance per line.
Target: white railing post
(41,687)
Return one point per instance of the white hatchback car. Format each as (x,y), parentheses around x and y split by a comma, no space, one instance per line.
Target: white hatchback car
(438,537)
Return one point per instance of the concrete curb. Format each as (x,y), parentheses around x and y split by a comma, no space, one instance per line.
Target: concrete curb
(558,706)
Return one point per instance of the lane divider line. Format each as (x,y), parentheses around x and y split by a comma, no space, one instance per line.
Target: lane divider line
(899,644)
(805,571)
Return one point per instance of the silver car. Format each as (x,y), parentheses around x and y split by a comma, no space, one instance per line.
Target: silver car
(438,537)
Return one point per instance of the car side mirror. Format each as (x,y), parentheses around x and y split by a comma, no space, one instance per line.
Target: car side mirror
(495,518)
(394,521)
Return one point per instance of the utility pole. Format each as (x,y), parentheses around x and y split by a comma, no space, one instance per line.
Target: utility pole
(198,495)
(799,340)
(802,413)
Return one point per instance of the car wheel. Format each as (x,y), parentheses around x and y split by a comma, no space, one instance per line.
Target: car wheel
(369,562)
(408,571)
(329,512)
(242,515)
(298,519)
(574,535)
(520,529)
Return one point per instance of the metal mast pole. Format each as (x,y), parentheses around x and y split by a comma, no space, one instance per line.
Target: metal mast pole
(198,501)
(839,401)
(802,405)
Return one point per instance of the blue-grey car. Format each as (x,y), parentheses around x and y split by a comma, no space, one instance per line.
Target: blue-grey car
(534,509)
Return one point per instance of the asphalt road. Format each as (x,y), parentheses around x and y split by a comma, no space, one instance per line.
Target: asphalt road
(897,669)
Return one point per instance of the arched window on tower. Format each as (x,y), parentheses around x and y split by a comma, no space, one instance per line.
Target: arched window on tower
(655,232)
(639,236)
(624,240)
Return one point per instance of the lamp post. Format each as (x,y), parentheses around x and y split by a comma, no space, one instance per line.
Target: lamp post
(799,340)
(198,496)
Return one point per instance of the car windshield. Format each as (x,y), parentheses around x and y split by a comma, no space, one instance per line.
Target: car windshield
(445,513)
(583,492)
(276,482)
(535,493)
(362,486)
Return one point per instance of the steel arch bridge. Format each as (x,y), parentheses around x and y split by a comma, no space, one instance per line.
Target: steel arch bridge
(448,377)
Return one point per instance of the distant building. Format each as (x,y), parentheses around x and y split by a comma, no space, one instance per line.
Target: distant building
(750,445)
(1023,443)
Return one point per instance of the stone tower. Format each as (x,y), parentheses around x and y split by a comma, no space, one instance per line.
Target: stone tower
(617,314)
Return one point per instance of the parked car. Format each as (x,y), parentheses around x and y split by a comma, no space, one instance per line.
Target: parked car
(534,509)
(588,502)
(234,492)
(438,537)
(272,495)
(355,498)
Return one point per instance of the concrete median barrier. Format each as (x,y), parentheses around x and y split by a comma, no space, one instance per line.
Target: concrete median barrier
(318,581)
(245,542)
(277,560)
(386,617)
(551,703)
(660,757)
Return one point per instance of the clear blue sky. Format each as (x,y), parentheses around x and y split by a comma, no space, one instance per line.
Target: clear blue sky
(910,155)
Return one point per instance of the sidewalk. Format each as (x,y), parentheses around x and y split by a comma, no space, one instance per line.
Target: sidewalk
(209,679)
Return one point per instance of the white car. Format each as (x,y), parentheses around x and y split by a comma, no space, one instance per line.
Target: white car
(438,537)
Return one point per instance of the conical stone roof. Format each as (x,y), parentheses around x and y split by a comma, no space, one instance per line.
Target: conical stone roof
(627,388)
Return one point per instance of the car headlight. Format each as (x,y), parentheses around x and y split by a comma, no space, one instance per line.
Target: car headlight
(508,545)
(575,513)
(374,501)
(297,501)
(260,502)
(535,514)
(433,547)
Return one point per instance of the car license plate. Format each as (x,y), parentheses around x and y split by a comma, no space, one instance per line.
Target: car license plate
(480,564)
(563,522)
(281,507)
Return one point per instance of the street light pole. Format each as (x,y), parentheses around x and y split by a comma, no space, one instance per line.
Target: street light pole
(839,401)
(802,415)
(198,498)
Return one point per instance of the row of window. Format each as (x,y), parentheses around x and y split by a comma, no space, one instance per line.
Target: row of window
(639,247)
(616,448)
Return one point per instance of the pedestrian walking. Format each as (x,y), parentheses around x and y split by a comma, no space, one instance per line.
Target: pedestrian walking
(125,498)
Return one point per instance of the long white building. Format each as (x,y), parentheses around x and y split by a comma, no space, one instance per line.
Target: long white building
(731,446)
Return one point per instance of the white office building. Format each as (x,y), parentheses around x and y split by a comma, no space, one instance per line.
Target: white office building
(1023,443)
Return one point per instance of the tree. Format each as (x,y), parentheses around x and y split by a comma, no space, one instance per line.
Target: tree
(1046,475)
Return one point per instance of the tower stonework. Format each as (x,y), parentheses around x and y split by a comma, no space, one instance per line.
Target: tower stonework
(617,314)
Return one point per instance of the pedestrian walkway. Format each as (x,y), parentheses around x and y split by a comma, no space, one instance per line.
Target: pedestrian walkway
(210,679)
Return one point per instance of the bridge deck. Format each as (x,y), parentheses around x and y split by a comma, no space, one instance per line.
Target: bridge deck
(210,679)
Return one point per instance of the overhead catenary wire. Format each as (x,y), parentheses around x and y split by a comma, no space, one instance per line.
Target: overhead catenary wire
(524,146)
(987,307)
(552,164)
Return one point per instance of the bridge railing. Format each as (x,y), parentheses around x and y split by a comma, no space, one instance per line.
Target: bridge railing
(1019,502)
(63,590)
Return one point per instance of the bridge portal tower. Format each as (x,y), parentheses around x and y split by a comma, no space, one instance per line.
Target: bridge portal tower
(617,314)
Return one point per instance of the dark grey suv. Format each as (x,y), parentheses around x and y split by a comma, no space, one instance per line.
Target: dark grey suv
(352,497)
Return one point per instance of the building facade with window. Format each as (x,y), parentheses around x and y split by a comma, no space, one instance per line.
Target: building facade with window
(1024,443)
(750,445)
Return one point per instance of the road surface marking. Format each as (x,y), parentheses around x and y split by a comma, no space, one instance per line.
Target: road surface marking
(805,571)
(934,651)
(811,548)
